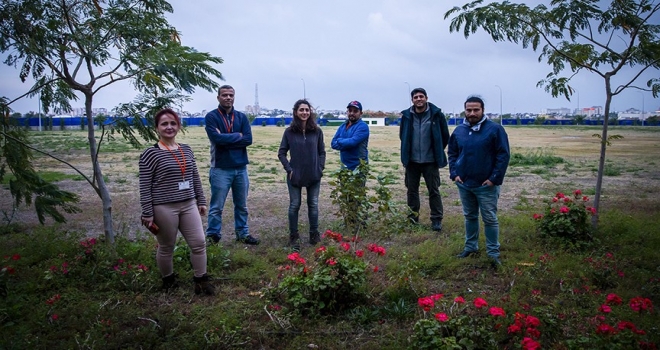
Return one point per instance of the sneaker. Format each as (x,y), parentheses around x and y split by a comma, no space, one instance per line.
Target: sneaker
(465,254)
(436,226)
(294,242)
(213,239)
(247,239)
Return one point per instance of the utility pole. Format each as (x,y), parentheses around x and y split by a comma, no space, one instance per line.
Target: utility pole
(257,109)
(497,86)
(304,92)
(642,115)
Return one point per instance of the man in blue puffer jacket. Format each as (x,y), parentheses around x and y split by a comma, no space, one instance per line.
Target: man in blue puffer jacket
(424,136)
(478,158)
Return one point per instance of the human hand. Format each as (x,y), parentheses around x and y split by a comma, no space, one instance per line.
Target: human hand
(458,179)
(147,220)
(488,183)
(202,210)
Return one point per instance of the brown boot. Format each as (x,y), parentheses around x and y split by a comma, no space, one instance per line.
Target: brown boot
(203,285)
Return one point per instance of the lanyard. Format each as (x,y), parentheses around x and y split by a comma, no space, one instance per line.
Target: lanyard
(182,166)
(228,126)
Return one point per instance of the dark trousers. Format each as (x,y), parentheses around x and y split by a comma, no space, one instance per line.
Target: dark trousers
(431,173)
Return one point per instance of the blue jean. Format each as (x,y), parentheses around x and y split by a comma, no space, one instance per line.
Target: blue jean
(474,200)
(295,194)
(222,180)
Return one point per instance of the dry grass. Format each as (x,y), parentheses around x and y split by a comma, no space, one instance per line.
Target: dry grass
(635,157)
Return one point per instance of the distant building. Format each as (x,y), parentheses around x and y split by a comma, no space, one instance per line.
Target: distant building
(633,113)
(590,111)
(557,111)
(255,110)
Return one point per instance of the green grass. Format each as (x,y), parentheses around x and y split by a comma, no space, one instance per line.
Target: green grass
(99,305)
(101,308)
(535,157)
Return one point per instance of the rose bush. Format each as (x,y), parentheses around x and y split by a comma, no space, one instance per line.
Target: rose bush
(459,325)
(566,218)
(332,280)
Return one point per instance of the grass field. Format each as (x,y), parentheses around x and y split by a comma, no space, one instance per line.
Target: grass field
(108,297)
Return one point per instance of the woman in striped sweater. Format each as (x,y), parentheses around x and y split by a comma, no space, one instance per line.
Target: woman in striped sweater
(172,200)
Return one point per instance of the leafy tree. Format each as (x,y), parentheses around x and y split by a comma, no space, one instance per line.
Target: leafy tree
(70,46)
(24,181)
(608,38)
(579,119)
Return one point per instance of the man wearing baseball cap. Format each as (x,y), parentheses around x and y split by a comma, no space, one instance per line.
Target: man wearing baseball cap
(352,138)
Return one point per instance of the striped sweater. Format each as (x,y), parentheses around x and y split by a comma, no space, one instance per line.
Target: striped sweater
(160,175)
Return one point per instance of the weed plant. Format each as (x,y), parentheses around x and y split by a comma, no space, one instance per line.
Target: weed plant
(535,157)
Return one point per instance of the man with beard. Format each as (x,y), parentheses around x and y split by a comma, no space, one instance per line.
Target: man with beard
(478,158)
(424,136)
(352,138)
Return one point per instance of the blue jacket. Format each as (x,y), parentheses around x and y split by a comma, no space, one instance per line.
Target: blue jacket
(228,148)
(477,156)
(351,142)
(439,133)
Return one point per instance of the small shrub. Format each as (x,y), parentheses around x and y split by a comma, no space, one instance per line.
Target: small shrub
(611,170)
(537,157)
(334,280)
(350,193)
(459,325)
(566,218)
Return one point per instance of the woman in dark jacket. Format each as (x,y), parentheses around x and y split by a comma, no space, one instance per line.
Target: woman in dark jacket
(303,140)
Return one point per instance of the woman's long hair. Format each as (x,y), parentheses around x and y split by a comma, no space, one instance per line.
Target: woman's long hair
(296,123)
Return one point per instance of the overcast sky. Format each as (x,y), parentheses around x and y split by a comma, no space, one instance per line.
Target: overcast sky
(372,51)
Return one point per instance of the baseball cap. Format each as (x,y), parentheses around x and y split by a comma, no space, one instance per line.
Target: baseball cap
(355,104)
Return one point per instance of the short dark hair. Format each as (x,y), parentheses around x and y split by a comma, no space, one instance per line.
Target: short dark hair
(474,98)
(416,90)
(164,111)
(225,87)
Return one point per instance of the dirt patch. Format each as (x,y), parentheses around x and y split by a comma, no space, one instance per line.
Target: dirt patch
(632,161)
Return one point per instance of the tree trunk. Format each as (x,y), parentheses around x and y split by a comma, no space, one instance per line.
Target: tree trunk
(101,188)
(603,148)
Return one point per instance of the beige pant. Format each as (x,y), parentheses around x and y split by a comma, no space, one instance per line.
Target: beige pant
(184,217)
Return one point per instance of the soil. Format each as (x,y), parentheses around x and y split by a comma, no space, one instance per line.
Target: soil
(632,183)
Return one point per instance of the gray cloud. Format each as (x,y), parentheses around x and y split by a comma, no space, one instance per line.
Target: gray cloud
(346,50)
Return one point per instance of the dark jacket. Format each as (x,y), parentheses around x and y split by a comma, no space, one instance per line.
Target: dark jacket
(439,135)
(477,156)
(307,153)
(352,143)
(228,148)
